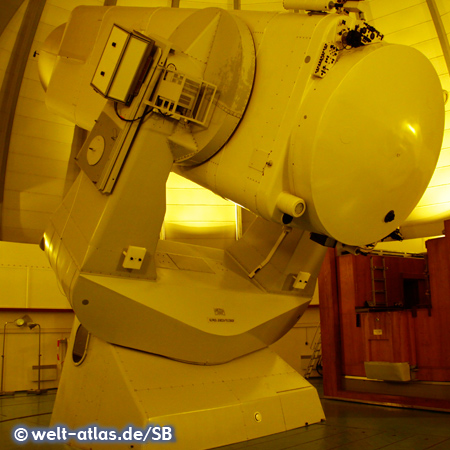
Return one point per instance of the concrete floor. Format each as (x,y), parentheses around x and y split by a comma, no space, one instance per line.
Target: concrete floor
(349,426)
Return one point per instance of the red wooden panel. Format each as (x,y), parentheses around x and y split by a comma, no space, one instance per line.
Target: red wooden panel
(329,322)
(388,337)
(396,270)
(352,336)
(378,337)
(433,332)
(364,282)
(404,335)
(423,340)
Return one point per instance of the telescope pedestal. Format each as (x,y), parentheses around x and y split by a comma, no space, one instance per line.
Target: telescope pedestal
(208,406)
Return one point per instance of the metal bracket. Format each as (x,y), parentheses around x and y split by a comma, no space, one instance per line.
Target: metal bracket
(302,280)
(134,257)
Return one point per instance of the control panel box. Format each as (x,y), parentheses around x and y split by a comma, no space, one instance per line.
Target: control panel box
(123,64)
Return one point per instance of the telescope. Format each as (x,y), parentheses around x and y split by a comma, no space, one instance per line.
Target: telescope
(305,117)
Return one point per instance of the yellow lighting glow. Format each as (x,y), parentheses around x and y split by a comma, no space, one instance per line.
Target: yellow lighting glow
(195,212)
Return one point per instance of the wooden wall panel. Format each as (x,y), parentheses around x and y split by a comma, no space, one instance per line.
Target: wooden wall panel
(352,336)
(422,339)
(388,337)
(376,335)
(330,326)
(397,269)
(433,332)
(406,351)
(363,282)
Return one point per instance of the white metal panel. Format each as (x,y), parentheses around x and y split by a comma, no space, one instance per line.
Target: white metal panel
(445,83)
(147,3)
(435,195)
(43,290)
(204,404)
(8,38)
(36,109)
(29,201)
(30,221)
(57,13)
(199,231)
(444,157)
(26,279)
(23,163)
(42,33)
(200,213)
(21,346)
(13,286)
(225,4)
(43,129)
(430,48)
(129,66)
(47,373)
(380,8)
(35,183)
(262,5)
(69,5)
(40,141)
(401,18)
(32,89)
(444,6)
(413,34)
(198,195)
(110,59)
(441,176)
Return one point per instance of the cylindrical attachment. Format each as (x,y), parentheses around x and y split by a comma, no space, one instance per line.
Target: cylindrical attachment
(308,5)
(290,204)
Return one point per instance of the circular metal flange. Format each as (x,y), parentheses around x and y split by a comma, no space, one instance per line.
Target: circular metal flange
(217,47)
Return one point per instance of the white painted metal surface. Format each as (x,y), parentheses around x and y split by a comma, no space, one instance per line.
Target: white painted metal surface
(349,152)
(27,280)
(40,145)
(303,151)
(207,406)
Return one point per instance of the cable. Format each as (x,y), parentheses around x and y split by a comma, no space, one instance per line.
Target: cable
(165,114)
(146,113)
(286,230)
